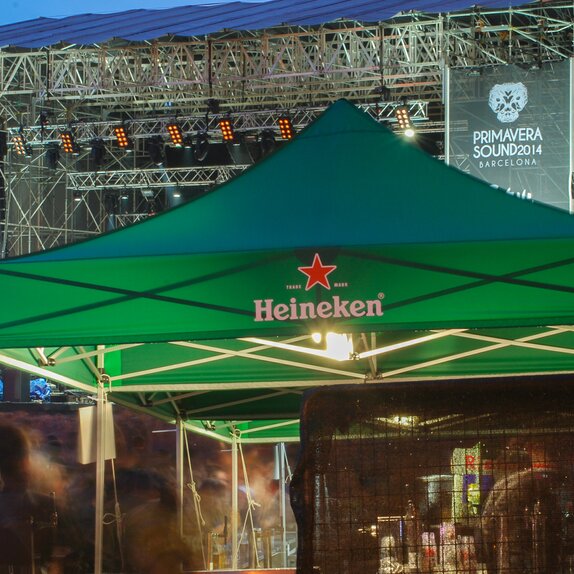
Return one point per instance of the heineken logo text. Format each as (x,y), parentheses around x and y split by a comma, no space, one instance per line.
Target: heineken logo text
(335,308)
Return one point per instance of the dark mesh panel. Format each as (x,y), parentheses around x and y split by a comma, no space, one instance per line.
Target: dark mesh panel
(459,477)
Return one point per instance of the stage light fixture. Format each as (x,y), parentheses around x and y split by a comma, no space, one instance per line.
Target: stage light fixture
(267,142)
(175,134)
(69,144)
(227,131)
(53,155)
(21,147)
(155,149)
(122,139)
(98,151)
(3,143)
(77,196)
(201,146)
(213,106)
(404,121)
(111,203)
(151,208)
(188,141)
(286,128)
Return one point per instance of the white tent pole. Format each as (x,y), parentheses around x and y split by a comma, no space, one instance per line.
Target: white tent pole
(234,501)
(282,479)
(571,130)
(446,102)
(100,473)
(179,459)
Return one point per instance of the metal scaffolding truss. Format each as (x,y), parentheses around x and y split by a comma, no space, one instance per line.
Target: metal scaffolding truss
(277,69)
(253,76)
(244,122)
(149,179)
(90,196)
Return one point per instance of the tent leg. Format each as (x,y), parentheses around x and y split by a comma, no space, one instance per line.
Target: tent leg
(283,502)
(179,462)
(234,501)
(100,476)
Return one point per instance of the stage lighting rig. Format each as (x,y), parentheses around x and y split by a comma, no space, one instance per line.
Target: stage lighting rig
(175,134)
(53,155)
(404,120)
(98,151)
(267,142)
(227,131)
(122,139)
(21,146)
(69,144)
(3,143)
(285,128)
(201,147)
(155,150)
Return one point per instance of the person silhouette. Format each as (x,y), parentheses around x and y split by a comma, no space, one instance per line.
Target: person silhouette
(27,518)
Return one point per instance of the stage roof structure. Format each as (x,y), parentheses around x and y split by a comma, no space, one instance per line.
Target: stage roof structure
(202,20)
(251,74)
(207,312)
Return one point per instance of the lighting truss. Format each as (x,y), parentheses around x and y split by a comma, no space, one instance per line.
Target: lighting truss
(252,121)
(349,60)
(151,178)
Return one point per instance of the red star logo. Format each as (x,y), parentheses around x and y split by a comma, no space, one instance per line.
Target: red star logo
(317,273)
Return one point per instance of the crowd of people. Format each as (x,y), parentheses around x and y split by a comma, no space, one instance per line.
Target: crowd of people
(47,500)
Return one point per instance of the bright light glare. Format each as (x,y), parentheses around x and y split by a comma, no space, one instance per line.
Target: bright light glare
(339,347)
(316,337)
(410,133)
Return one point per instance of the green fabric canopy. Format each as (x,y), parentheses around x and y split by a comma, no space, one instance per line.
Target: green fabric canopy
(206,311)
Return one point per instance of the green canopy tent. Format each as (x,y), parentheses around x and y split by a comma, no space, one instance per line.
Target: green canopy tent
(205,313)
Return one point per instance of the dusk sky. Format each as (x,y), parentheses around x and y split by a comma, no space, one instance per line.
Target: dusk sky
(20,10)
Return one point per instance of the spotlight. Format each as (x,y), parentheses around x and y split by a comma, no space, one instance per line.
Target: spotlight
(155,150)
(111,203)
(267,142)
(384,92)
(21,147)
(201,146)
(122,138)
(188,142)
(226,128)
(404,121)
(151,208)
(213,106)
(77,196)
(175,134)
(98,151)
(44,119)
(53,155)
(69,144)
(286,128)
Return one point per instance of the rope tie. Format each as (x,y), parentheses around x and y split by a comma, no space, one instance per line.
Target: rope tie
(196,500)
